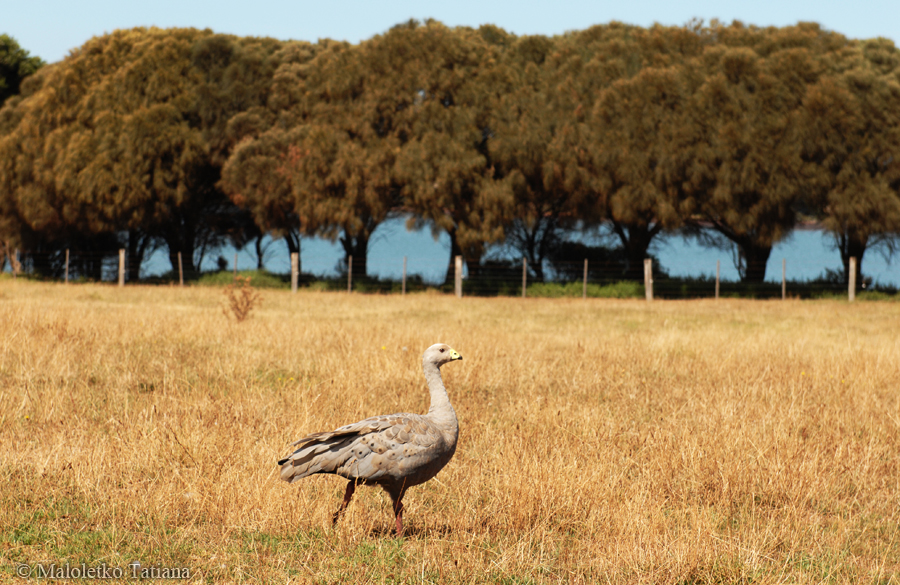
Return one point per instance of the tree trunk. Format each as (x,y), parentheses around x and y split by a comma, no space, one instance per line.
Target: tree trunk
(88,264)
(358,247)
(175,245)
(40,262)
(259,252)
(852,245)
(292,241)
(539,242)
(754,258)
(471,258)
(136,249)
(455,251)
(535,241)
(636,240)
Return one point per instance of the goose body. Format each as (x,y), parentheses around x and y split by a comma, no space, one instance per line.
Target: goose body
(395,451)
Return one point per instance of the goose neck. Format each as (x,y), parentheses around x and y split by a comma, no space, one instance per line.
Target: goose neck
(440,402)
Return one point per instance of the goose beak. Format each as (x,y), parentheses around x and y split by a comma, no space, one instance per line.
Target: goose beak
(454,355)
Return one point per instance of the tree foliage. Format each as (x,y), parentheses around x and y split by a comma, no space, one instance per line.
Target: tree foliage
(124,139)
(851,143)
(187,139)
(15,65)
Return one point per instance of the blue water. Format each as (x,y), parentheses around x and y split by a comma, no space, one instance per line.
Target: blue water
(807,254)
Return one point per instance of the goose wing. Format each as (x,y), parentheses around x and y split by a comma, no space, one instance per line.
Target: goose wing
(387,448)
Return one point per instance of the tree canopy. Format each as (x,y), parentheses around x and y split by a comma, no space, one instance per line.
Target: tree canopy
(121,143)
(186,139)
(15,65)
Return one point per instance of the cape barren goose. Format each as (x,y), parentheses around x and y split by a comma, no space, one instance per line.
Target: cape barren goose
(395,451)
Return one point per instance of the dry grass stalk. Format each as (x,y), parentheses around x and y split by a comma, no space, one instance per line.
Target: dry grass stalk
(241,298)
(601,441)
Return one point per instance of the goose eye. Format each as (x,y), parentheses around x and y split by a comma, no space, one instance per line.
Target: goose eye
(442,350)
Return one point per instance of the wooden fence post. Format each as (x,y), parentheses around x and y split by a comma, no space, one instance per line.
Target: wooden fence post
(458,277)
(584,284)
(180,271)
(349,274)
(121,266)
(717,279)
(67,266)
(648,278)
(851,289)
(783,278)
(524,275)
(15,263)
(403,285)
(295,265)
(235,265)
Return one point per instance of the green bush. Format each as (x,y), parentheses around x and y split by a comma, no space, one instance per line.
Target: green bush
(258,279)
(618,290)
(876,295)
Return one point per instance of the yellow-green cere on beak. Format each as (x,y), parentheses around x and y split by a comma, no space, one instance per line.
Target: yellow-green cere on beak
(454,355)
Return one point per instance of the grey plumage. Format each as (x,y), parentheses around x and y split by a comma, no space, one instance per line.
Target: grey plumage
(394,451)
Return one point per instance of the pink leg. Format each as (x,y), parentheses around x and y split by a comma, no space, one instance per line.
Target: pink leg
(398,514)
(348,494)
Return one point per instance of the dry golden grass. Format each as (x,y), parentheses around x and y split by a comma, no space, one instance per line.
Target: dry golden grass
(601,441)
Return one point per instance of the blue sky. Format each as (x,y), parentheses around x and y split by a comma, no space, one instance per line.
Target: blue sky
(49,29)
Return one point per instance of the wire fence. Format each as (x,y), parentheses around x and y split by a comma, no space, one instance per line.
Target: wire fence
(587,279)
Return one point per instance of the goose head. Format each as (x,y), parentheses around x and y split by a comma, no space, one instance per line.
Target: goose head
(440,354)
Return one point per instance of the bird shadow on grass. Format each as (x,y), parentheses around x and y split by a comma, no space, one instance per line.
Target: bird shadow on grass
(411,531)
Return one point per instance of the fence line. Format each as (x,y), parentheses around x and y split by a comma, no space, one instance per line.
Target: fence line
(488,278)
(717,279)
(349,274)
(783,278)
(524,276)
(648,279)
(121,267)
(584,285)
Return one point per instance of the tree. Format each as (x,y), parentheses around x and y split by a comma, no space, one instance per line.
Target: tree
(851,141)
(451,80)
(525,150)
(636,122)
(256,181)
(628,95)
(15,65)
(134,143)
(739,146)
(365,131)
(342,147)
(325,167)
(252,175)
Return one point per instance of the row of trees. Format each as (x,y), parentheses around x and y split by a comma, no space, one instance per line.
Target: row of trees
(187,139)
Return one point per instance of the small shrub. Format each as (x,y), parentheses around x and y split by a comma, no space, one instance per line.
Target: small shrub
(241,298)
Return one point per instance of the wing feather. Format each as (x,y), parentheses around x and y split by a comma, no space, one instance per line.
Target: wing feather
(381,447)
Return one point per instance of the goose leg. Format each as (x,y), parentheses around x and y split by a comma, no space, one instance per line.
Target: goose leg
(398,512)
(348,494)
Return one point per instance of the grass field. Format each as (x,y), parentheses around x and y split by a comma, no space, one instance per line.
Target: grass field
(601,440)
